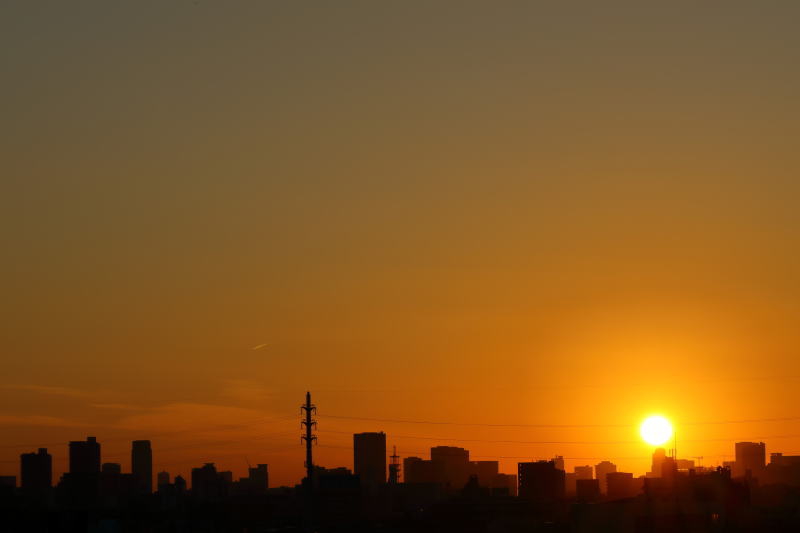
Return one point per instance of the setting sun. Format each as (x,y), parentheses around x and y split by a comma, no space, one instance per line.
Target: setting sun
(656,430)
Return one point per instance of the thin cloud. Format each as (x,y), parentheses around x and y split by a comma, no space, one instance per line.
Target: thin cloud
(192,418)
(38,420)
(117,406)
(52,391)
(258,347)
(246,391)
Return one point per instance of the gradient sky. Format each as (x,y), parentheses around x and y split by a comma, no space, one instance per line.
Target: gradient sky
(479,212)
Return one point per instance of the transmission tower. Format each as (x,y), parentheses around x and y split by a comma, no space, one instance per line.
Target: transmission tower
(308,409)
(394,467)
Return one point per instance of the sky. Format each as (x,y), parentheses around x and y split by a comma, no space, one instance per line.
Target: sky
(508,216)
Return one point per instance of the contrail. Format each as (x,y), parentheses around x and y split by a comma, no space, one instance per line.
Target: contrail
(258,347)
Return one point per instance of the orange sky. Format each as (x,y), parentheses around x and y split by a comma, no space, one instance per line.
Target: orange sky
(502,214)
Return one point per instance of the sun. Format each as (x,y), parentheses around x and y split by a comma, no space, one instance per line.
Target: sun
(656,430)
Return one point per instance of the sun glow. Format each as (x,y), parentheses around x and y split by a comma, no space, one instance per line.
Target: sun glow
(655,430)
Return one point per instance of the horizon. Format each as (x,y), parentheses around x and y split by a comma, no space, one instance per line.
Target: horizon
(241,461)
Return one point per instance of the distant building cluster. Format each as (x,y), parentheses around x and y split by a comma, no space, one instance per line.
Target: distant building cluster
(439,491)
(89,482)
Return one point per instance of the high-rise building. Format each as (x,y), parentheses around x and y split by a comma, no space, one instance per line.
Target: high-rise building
(669,471)
(584,472)
(620,485)
(569,483)
(587,490)
(455,465)
(540,481)
(180,484)
(507,481)
(602,469)
(559,460)
(162,479)
(258,477)
(779,459)
(36,470)
(208,484)
(369,458)
(417,470)
(84,456)
(142,465)
(659,455)
(485,471)
(111,468)
(751,457)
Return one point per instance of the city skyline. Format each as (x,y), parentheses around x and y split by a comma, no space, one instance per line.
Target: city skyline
(370,453)
(370,466)
(517,228)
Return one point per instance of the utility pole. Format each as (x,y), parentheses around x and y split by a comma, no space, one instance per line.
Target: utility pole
(309,423)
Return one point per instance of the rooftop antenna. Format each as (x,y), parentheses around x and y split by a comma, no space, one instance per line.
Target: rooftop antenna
(675,446)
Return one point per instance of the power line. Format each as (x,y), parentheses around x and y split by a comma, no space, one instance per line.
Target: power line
(420,437)
(252,422)
(481,424)
(504,456)
(485,424)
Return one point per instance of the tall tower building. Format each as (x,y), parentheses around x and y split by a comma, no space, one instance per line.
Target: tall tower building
(369,458)
(601,470)
(659,455)
(258,477)
(142,465)
(750,457)
(36,470)
(540,481)
(84,456)
(455,464)
(584,472)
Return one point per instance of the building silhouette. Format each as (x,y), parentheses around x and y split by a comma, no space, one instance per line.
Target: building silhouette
(36,471)
(540,481)
(571,478)
(601,470)
(162,479)
(369,458)
(84,456)
(455,465)
(621,485)
(258,477)
(208,485)
(180,484)
(779,459)
(587,490)
(111,468)
(417,470)
(750,459)
(584,472)
(142,465)
(659,455)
